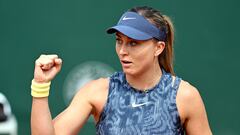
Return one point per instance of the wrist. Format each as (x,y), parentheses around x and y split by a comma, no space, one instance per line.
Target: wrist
(40,89)
(40,81)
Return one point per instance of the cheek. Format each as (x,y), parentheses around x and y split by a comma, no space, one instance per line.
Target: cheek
(143,60)
(142,63)
(143,55)
(117,50)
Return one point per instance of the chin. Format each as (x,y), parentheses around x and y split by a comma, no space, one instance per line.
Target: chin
(130,72)
(136,71)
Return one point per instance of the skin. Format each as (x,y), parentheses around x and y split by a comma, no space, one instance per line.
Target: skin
(140,64)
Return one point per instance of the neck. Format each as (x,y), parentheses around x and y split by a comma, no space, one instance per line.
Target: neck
(146,80)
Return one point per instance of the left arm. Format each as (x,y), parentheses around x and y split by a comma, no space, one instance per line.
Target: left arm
(192,111)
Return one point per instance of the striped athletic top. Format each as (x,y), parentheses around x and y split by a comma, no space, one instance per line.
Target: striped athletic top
(129,111)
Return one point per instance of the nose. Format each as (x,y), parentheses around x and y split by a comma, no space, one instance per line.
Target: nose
(123,49)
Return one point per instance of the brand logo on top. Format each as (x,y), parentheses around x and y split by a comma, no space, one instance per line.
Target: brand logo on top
(128,18)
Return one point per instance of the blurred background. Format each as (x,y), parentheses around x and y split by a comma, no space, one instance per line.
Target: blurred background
(206,51)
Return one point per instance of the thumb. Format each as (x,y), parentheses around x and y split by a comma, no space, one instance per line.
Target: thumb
(38,71)
(38,66)
(58,64)
(54,70)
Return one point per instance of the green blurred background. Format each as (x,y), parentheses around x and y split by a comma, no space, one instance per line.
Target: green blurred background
(206,49)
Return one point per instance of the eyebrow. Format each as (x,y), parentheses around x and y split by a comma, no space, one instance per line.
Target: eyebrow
(118,35)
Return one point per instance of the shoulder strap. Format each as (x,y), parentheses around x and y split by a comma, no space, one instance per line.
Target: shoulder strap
(176,83)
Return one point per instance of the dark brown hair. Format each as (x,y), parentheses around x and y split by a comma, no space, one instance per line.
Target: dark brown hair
(164,23)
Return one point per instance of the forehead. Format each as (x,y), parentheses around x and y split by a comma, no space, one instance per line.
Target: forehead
(121,35)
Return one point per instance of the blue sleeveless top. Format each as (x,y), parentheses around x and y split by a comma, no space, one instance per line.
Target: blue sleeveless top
(129,111)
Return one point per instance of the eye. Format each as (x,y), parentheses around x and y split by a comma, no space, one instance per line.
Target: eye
(119,41)
(133,43)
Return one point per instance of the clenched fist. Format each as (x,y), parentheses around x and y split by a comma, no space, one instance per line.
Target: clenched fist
(46,68)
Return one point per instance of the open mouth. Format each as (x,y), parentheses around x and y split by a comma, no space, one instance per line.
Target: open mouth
(126,62)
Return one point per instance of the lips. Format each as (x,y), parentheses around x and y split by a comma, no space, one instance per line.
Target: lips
(126,63)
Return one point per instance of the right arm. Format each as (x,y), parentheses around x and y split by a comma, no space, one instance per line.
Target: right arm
(46,67)
(74,116)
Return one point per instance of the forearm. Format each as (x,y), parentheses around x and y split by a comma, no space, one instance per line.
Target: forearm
(41,120)
(46,68)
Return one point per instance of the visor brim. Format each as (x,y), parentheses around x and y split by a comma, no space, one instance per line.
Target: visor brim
(130,32)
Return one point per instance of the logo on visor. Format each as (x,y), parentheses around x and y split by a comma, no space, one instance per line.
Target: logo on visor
(128,18)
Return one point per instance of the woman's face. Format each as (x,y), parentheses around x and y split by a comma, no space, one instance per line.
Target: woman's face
(136,56)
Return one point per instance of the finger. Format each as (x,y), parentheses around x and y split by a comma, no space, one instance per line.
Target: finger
(47,66)
(45,63)
(58,64)
(42,56)
(38,63)
(38,66)
(58,61)
(52,56)
(57,68)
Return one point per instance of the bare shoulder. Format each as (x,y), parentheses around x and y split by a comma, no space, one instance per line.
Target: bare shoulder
(192,110)
(98,88)
(188,99)
(94,88)
(187,92)
(97,84)
(84,103)
(95,93)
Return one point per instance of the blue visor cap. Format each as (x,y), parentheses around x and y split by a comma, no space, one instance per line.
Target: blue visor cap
(137,27)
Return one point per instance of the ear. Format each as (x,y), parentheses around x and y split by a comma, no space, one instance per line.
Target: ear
(160,45)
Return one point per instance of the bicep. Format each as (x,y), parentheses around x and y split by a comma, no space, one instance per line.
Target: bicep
(192,111)
(197,121)
(75,115)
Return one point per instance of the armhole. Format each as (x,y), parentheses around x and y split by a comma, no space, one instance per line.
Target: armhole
(105,107)
(175,87)
(176,82)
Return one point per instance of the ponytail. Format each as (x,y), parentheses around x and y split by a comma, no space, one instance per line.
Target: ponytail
(165,59)
(162,22)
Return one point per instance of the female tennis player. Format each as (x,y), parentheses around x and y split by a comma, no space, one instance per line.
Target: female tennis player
(146,98)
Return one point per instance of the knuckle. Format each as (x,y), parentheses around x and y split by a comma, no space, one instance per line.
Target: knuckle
(42,55)
(53,55)
(36,61)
